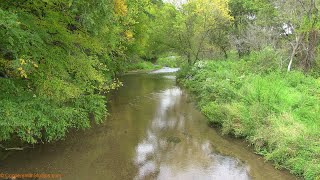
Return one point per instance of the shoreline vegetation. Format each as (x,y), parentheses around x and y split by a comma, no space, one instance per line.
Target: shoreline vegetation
(146,66)
(275,111)
(59,60)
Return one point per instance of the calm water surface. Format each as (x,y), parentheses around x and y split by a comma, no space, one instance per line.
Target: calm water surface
(154,131)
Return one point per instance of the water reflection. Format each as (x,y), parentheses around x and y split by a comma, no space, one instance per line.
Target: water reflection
(165,70)
(171,150)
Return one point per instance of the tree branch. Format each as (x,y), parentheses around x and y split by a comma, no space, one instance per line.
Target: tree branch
(13,148)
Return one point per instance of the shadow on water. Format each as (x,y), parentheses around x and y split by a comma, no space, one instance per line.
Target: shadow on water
(153,132)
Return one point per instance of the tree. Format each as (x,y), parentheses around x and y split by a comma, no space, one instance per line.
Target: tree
(197,20)
(254,26)
(303,17)
(58,58)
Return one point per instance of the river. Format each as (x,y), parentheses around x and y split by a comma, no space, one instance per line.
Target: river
(154,131)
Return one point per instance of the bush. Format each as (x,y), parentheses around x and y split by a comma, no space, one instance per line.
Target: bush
(52,78)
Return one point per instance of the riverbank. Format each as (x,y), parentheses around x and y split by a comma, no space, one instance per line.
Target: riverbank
(277,112)
(153,131)
(147,66)
(142,66)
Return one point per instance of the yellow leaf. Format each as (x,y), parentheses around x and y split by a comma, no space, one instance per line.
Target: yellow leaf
(22,61)
(120,7)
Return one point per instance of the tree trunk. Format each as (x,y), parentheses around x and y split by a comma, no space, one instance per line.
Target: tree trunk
(224,52)
(308,61)
(189,59)
(294,51)
(312,38)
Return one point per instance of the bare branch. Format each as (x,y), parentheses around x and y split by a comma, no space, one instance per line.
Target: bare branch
(13,148)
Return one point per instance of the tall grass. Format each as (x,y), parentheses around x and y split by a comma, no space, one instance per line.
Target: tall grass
(278,112)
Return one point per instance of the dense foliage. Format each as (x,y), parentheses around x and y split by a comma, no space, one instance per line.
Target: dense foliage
(58,58)
(206,29)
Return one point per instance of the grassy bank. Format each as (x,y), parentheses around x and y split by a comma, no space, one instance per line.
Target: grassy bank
(142,66)
(277,112)
(170,61)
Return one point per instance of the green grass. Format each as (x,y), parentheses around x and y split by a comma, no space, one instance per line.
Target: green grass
(277,112)
(142,65)
(170,61)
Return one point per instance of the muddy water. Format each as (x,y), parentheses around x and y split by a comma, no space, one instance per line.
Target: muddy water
(153,132)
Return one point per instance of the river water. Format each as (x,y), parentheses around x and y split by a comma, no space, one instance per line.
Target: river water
(154,131)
